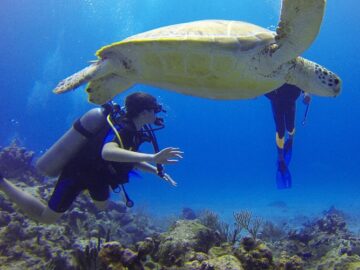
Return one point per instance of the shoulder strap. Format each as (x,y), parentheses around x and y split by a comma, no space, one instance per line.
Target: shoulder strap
(80,128)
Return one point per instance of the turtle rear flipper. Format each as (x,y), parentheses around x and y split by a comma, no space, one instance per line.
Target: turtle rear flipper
(105,88)
(299,25)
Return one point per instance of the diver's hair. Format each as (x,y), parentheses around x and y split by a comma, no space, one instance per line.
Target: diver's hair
(137,102)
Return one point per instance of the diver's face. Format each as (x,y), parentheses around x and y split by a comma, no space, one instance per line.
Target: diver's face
(148,116)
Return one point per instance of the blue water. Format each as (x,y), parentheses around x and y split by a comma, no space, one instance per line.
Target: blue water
(229,160)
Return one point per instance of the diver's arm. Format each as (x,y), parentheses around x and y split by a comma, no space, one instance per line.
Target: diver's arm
(146,167)
(152,169)
(112,152)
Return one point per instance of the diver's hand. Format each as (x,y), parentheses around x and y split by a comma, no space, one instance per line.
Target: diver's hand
(306,99)
(168,155)
(168,179)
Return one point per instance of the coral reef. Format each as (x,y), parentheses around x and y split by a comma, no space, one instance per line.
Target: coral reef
(324,243)
(16,162)
(74,242)
(271,232)
(254,255)
(119,238)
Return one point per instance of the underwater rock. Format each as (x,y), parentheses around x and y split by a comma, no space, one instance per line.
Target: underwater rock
(226,262)
(219,251)
(5,218)
(15,231)
(145,247)
(150,265)
(221,257)
(248,243)
(254,255)
(196,265)
(5,205)
(128,257)
(183,237)
(287,262)
(196,261)
(218,258)
(197,256)
(114,256)
(339,263)
(110,255)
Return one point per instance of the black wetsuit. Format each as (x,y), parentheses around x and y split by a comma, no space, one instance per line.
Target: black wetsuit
(283,103)
(89,171)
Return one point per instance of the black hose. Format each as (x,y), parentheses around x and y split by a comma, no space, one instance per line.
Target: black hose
(305,115)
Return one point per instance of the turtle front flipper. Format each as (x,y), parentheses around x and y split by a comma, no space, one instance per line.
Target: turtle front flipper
(299,25)
(95,70)
(105,88)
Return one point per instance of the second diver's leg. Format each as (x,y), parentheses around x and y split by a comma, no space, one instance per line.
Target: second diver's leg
(290,128)
(100,194)
(283,176)
(278,114)
(32,206)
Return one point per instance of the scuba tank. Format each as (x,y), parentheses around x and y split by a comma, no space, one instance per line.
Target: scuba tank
(54,159)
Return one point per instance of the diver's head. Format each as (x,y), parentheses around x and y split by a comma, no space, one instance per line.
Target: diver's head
(142,105)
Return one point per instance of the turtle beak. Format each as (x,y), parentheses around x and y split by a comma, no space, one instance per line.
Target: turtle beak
(337,87)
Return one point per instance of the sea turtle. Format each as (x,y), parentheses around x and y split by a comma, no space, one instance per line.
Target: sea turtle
(213,59)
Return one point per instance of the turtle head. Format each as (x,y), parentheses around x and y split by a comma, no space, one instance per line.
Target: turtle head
(314,78)
(326,83)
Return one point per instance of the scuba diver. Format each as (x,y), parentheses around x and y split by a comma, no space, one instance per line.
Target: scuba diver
(283,104)
(98,152)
